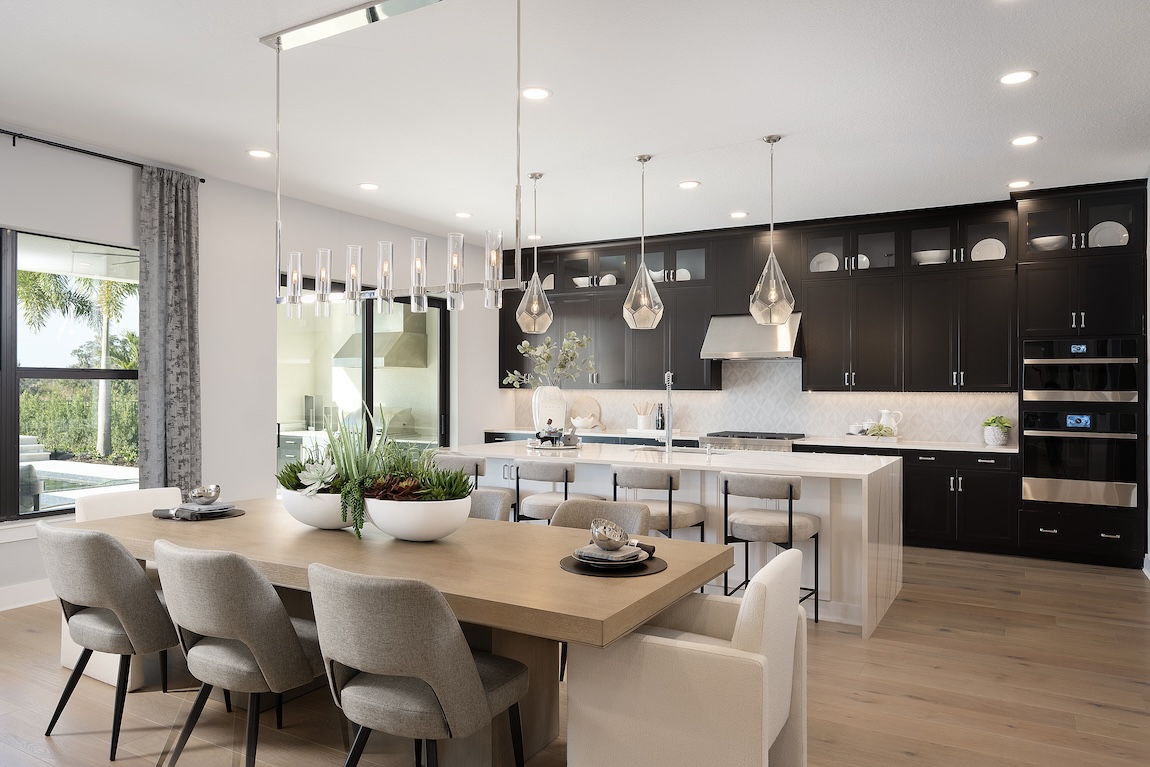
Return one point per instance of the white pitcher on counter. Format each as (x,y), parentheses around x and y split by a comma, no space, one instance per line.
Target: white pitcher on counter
(890,418)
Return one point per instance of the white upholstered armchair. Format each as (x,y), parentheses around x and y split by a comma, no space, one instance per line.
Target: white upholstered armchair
(711,680)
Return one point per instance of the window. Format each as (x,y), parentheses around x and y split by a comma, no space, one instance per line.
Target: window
(69,371)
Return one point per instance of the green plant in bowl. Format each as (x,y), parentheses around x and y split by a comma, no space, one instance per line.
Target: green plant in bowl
(879,430)
(998,421)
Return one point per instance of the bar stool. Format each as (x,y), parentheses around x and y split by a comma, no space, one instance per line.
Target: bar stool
(543,505)
(777,527)
(680,514)
(474,466)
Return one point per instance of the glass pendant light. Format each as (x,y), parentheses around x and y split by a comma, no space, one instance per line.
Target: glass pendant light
(323,282)
(493,270)
(295,285)
(534,314)
(419,274)
(643,308)
(384,285)
(353,279)
(454,271)
(772,302)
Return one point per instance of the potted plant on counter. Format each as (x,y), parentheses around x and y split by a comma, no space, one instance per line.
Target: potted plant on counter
(549,366)
(410,498)
(310,489)
(996,430)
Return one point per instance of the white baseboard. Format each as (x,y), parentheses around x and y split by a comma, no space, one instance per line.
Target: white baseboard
(24,594)
(1146,566)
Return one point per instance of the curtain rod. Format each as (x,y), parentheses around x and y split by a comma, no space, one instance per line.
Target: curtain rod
(88,152)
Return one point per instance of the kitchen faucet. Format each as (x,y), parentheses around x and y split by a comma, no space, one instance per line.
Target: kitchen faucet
(667,379)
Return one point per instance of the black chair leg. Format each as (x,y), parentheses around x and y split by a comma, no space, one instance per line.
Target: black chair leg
(562,660)
(190,723)
(228,701)
(516,734)
(432,754)
(164,670)
(77,672)
(279,710)
(357,746)
(418,753)
(253,727)
(118,708)
(816,537)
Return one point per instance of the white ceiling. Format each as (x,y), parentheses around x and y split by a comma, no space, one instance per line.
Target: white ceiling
(884,104)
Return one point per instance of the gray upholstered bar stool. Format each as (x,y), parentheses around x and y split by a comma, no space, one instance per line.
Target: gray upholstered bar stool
(781,528)
(543,505)
(679,514)
(474,466)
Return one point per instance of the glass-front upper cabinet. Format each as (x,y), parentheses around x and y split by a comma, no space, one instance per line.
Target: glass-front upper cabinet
(595,268)
(686,262)
(855,251)
(1102,223)
(965,240)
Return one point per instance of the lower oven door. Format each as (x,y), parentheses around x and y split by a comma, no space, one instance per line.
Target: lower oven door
(1080,458)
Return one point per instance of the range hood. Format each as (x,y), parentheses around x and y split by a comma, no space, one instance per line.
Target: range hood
(400,342)
(739,337)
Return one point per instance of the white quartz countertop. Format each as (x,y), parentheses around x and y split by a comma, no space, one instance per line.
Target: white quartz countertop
(693,459)
(907,444)
(608,433)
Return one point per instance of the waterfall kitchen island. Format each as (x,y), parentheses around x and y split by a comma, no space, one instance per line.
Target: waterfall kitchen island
(857,498)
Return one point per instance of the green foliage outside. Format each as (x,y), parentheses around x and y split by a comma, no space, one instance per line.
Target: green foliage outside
(62,413)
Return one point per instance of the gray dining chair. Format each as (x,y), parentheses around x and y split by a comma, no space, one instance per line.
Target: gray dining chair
(474,466)
(679,514)
(782,528)
(633,517)
(109,604)
(491,503)
(235,632)
(416,678)
(542,505)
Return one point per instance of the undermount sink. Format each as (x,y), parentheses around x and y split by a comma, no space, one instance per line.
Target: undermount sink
(663,449)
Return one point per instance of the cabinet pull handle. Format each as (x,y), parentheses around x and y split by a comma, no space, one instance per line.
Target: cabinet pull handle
(962,254)
(954,378)
(962,378)
(1073,319)
(953,255)
(987,460)
(1108,535)
(1052,531)
(846,378)
(1082,322)
(1082,239)
(1073,241)
(952,484)
(853,374)
(926,458)
(960,484)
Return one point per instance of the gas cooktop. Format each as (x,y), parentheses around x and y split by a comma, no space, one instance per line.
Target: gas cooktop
(755,435)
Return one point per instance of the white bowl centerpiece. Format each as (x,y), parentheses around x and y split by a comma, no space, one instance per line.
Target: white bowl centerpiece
(310,490)
(411,498)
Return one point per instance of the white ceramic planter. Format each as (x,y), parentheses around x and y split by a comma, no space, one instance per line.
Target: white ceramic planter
(418,520)
(994,435)
(320,510)
(547,402)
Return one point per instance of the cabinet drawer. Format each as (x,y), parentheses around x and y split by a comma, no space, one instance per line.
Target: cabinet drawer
(991,461)
(1092,532)
(940,458)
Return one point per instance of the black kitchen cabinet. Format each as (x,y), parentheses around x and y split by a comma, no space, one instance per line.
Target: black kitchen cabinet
(1078,222)
(852,334)
(1094,296)
(960,500)
(601,318)
(731,259)
(609,266)
(674,345)
(510,336)
(672,262)
(961,331)
(979,237)
(1115,537)
(859,251)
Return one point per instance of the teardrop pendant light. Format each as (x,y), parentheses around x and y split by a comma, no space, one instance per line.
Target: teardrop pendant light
(772,302)
(534,314)
(643,308)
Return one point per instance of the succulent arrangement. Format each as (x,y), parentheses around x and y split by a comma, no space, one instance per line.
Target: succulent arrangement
(998,421)
(880,430)
(358,469)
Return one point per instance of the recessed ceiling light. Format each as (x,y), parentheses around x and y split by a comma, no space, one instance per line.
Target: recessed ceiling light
(1025,140)
(463,214)
(262,154)
(739,214)
(688,184)
(1014,78)
(535,237)
(369,187)
(536,94)
(1018,184)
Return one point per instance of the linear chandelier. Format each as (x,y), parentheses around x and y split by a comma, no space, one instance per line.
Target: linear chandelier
(385,292)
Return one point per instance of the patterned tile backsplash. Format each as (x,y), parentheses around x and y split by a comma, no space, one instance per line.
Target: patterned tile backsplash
(768,396)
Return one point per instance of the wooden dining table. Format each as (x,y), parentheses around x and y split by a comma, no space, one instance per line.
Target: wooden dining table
(502,579)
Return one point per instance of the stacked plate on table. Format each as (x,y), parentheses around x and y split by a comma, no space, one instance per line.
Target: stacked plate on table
(623,557)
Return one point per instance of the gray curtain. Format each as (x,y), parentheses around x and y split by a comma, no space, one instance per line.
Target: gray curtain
(169,330)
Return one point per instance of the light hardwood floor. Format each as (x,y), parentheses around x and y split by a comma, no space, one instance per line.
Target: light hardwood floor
(983,660)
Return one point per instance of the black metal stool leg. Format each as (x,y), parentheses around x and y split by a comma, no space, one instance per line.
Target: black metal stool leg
(228,701)
(357,745)
(816,537)
(190,722)
(279,710)
(164,670)
(77,672)
(118,707)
